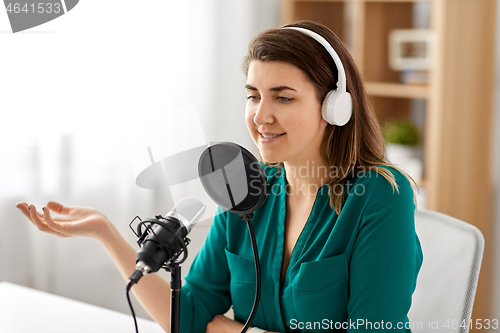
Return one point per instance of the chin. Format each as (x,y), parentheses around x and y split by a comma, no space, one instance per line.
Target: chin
(270,159)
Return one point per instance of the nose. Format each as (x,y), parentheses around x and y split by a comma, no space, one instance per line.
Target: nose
(263,114)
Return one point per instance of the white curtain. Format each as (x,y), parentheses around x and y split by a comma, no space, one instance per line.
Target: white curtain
(74,91)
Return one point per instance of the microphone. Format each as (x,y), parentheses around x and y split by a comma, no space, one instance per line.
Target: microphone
(164,243)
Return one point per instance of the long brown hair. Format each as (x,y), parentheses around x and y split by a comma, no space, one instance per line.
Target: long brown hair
(358,145)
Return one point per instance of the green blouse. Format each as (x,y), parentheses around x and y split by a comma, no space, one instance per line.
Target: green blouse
(350,273)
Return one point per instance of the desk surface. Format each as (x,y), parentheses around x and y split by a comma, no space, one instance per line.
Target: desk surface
(25,310)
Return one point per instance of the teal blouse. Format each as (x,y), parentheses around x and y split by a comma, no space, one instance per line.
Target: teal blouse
(350,273)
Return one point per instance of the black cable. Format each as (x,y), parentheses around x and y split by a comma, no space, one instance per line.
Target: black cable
(257,273)
(129,286)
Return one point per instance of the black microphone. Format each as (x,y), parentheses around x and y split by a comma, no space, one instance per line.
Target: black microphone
(167,240)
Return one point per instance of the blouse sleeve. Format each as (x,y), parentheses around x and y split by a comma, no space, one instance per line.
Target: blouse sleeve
(385,262)
(206,290)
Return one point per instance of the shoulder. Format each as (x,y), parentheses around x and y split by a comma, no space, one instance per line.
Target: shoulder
(376,201)
(379,188)
(383,180)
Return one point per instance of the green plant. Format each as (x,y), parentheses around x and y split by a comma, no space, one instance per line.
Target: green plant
(401,132)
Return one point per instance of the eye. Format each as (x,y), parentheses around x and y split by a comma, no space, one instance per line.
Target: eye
(251,98)
(285,99)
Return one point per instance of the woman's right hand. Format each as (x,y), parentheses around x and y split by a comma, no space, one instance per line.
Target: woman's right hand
(75,221)
(153,291)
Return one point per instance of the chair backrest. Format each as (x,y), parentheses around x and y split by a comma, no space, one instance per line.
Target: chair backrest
(446,284)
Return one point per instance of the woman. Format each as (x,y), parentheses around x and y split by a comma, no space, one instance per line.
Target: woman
(336,234)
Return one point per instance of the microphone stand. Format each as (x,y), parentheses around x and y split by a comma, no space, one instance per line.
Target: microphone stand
(175,301)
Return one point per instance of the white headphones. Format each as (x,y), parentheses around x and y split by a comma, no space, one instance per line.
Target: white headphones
(337,105)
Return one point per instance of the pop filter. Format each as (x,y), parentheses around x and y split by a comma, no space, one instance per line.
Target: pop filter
(233,178)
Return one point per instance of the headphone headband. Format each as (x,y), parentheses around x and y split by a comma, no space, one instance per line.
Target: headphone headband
(341,84)
(336,107)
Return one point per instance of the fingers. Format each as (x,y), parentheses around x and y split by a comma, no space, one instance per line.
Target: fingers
(58,208)
(23,207)
(56,227)
(38,219)
(54,206)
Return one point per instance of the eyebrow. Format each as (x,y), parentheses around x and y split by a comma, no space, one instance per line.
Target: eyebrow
(279,88)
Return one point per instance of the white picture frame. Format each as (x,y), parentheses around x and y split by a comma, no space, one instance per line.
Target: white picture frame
(410,49)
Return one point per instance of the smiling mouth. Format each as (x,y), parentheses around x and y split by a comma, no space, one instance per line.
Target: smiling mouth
(271,136)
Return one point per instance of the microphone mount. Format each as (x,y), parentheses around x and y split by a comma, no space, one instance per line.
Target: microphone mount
(145,228)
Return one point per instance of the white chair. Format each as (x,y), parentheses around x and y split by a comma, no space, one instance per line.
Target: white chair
(446,284)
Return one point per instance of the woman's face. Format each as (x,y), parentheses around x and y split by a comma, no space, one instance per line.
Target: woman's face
(283,114)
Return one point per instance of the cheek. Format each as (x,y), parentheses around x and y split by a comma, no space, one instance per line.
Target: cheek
(304,125)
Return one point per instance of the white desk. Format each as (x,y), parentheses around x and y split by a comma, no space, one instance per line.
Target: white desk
(25,310)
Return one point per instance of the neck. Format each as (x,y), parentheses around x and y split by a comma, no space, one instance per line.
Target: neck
(305,179)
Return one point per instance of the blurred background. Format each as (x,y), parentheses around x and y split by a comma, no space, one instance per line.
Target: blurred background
(79,92)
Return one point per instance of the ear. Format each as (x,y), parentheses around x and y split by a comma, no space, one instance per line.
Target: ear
(323,122)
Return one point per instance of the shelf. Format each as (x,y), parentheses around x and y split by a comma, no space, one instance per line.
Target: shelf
(393,1)
(397,90)
(422,183)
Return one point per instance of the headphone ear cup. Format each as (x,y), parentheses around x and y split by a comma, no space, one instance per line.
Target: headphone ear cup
(337,108)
